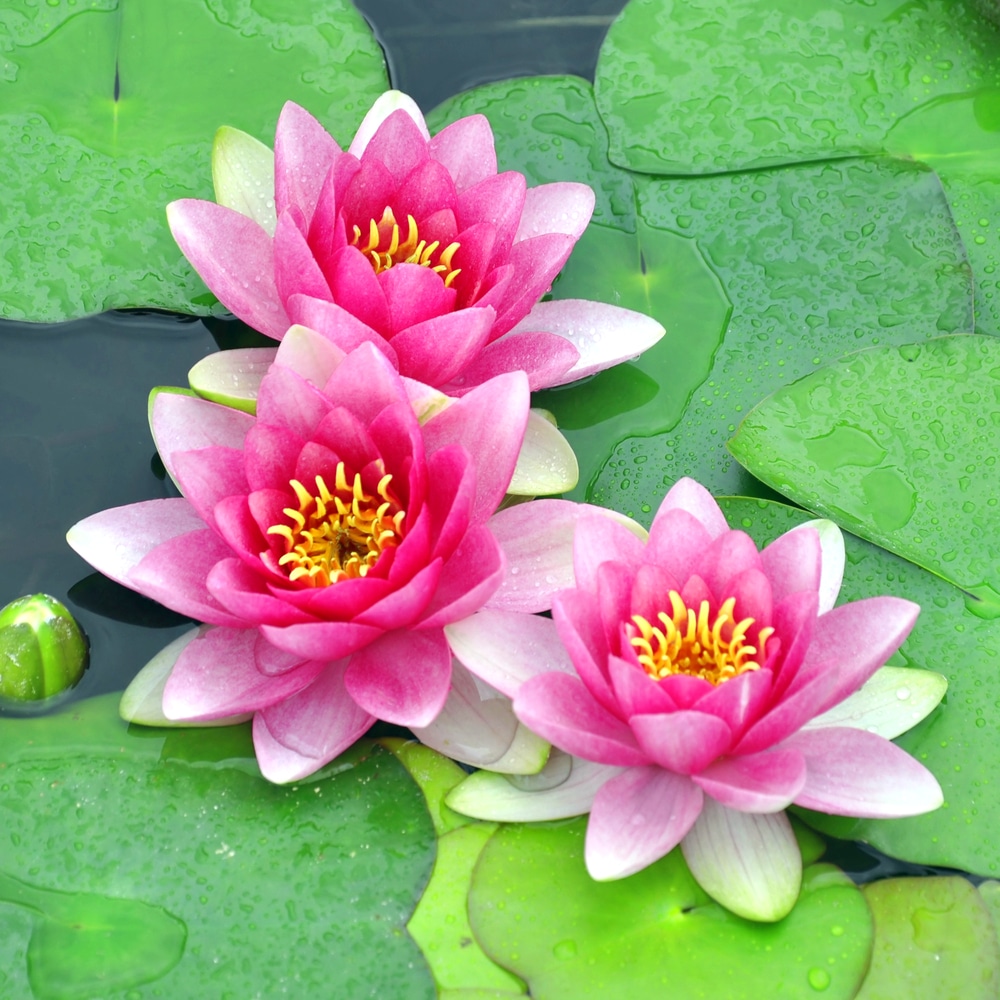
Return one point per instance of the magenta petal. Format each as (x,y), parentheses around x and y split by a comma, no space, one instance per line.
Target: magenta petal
(729,556)
(740,701)
(685,742)
(561,710)
(356,288)
(303,153)
(677,541)
(399,143)
(578,622)
(692,497)
(321,720)
(638,817)
(216,676)
(208,476)
(295,270)
(403,678)
(287,400)
(116,540)
(489,423)
(337,325)
(321,640)
(436,350)
(243,592)
(536,262)
(851,772)
(234,256)
(414,294)
(637,693)
(562,207)
(759,783)
(471,575)
(466,148)
(498,201)
(404,605)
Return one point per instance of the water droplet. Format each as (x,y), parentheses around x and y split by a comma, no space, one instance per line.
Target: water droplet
(819,979)
(565,949)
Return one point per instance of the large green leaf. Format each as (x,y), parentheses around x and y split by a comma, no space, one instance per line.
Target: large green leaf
(934,940)
(960,741)
(698,87)
(116,836)
(535,910)
(758,279)
(898,445)
(107,112)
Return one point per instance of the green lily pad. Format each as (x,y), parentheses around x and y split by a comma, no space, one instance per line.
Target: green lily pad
(696,87)
(536,911)
(302,889)
(898,445)
(934,940)
(959,741)
(108,113)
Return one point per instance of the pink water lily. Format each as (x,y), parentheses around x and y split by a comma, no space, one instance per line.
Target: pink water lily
(326,542)
(701,686)
(413,243)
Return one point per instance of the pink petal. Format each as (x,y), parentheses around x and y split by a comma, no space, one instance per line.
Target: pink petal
(472,574)
(414,294)
(577,617)
(793,563)
(390,101)
(438,349)
(466,148)
(303,154)
(537,541)
(536,262)
(603,335)
(692,497)
(601,537)
(405,605)
(850,772)
(356,288)
(287,400)
(399,143)
(244,593)
(308,353)
(277,762)
(208,476)
(496,200)
(740,701)
(321,720)
(216,676)
(186,423)
(562,207)
(677,541)
(751,864)
(636,692)
(684,742)
(561,710)
(489,423)
(234,257)
(321,640)
(505,648)
(759,783)
(367,384)
(404,677)
(116,540)
(729,556)
(295,270)
(543,357)
(638,817)
(340,328)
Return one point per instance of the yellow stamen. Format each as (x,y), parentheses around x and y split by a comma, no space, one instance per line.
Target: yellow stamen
(339,534)
(692,643)
(385,247)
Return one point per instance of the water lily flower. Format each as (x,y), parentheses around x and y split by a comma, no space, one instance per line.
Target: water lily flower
(326,542)
(699,686)
(412,243)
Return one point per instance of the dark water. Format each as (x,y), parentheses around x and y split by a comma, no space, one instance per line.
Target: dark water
(73,433)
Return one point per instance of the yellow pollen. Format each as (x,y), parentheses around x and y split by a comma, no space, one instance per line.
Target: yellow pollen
(338,534)
(385,247)
(691,642)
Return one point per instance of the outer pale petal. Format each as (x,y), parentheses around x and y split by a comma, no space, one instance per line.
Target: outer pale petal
(854,773)
(404,677)
(490,796)
(234,256)
(390,101)
(243,175)
(505,648)
(142,701)
(546,463)
(216,676)
(562,207)
(308,354)
(232,378)
(892,700)
(637,817)
(604,335)
(749,863)
(277,762)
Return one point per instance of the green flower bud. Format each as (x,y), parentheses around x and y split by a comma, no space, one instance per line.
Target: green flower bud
(42,650)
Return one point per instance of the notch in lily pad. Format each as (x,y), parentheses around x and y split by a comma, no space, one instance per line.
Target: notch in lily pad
(43,651)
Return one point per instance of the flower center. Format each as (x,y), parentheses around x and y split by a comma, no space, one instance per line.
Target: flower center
(385,247)
(338,535)
(692,643)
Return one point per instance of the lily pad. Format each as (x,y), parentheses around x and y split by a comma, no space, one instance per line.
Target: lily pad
(302,889)
(898,445)
(696,87)
(960,740)
(934,940)
(108,113)
(536,911)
